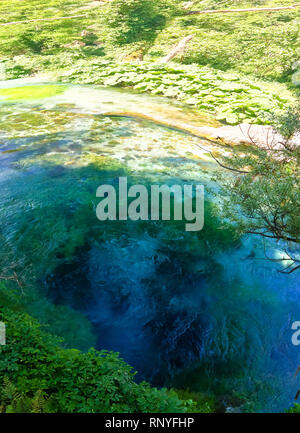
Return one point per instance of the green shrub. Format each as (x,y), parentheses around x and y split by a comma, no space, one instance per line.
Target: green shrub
(96,381)
(137,20)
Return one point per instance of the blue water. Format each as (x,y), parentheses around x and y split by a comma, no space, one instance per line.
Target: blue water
(202,311)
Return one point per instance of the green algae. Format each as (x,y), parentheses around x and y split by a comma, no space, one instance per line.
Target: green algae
(31,92)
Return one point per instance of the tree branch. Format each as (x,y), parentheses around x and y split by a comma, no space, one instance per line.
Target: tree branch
(226,167)
(179,48)
(290,271)
(277,237)
(220,164)
(15,278)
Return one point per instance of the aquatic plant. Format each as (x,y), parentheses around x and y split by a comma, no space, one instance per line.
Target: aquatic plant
(229,96)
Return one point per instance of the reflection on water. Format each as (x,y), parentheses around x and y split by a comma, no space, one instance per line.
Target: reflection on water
(194,310)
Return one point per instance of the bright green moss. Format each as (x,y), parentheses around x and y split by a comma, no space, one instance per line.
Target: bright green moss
(31,92)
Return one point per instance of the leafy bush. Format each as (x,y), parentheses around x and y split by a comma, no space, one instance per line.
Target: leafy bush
(31,41)
(135,20)
(38,367)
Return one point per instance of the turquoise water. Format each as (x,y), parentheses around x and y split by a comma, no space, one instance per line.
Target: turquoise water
(194,310)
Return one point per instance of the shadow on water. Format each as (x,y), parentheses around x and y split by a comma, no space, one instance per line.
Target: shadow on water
(187,309)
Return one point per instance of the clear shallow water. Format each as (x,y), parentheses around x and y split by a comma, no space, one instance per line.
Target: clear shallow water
(190,310)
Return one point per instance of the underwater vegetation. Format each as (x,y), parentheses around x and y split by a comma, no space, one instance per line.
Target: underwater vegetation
(190,310)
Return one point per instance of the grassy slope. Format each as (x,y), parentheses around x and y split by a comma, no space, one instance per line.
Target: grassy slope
(51,35)
(263,44)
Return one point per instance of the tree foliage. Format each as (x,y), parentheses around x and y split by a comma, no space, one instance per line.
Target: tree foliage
(266,192)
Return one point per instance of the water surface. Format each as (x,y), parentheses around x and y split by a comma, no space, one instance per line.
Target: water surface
(199,310)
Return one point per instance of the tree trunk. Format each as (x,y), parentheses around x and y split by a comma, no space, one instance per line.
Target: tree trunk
(179,48)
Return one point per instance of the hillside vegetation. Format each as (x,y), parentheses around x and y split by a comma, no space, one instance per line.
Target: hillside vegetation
(238,67)
(263,44)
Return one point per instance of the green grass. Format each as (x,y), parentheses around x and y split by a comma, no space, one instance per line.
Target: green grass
(231,68)
(47,37)
(262,44)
